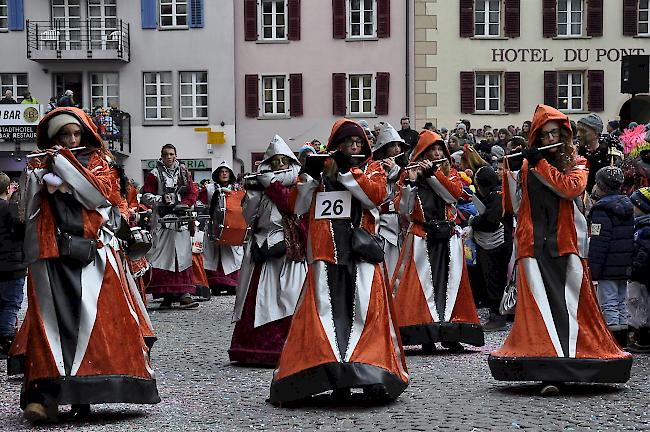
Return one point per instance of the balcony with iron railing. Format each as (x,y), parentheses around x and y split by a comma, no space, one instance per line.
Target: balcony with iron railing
(76,39)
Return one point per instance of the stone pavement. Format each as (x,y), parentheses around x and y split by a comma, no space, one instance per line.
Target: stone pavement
(200,390)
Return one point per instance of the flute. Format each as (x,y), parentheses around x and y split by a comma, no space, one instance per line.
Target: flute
(45,153)
(541,148)
(250,176)
(393,157)
(330,155)
(417,165)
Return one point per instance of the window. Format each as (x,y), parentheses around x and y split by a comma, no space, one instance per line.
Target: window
(570,91)
(274,99)
(361,97)
(104,89)
(487,18)
(362,16)
(644,20)
(17,83)
(4,15)
(173,13)
(158,96)
(103,24)
(569,17)
(194,95)
(488,91)
(273,20)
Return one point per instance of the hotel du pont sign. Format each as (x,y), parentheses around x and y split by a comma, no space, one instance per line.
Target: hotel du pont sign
(568,55)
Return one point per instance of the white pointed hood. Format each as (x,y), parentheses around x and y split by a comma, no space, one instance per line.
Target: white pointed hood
(387,135)
(278,146)
(224,164)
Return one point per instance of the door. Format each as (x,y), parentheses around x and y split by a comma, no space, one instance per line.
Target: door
(66,18)
(69,81)
(103,24)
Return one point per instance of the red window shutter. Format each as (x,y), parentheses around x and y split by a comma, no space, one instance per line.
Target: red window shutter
(595,18)
(630,17)
(383,18)
(339,23)
(467,101)
(295,95)
(466,18)
(596,90)
(339,94)
(512,18)
(251,96)
(512,91)
(293,8)
(549,18)
(250,20)
(382,86)
(550,88)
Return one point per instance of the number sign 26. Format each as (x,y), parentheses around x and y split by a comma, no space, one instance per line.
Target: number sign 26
(333,205)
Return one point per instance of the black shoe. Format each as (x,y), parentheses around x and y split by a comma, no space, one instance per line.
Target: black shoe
(429,348)
(549,390)
(166,304)
(5,345)
(636,348)
(79,411)
(188,303)
(454,347)
(495,323)
(376,394)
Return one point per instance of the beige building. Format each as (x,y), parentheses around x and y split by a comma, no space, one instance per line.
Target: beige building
(493,61)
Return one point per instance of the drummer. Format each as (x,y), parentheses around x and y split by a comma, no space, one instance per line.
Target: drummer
(168,187)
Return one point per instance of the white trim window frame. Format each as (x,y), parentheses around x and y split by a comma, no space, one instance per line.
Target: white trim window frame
(14,82)
(487,18)
(273,96)
(644,18)
(361,94)
(173,14)
(4,16)
(104,89)
(272,20)
(193,94)
(570,18)
(570,91)
(487,92)
(158,96)
(361,19)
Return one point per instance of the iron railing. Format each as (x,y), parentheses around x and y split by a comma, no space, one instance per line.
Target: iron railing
(67,38)
(114,126)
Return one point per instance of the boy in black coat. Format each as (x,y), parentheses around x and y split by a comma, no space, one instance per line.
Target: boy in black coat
(611,247)
(638,296)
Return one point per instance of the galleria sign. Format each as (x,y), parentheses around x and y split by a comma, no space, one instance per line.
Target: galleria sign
(569,55)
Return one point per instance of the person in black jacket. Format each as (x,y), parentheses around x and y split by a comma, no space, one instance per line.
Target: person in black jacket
(12,266)
(638,296)
(493,237)
(610,250)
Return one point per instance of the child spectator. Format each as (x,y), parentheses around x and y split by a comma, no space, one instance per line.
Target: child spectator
(611,248)
(638,297)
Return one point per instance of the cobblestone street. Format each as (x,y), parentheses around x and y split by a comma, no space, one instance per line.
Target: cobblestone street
(200,390)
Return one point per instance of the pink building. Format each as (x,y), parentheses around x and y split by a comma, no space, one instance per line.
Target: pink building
(301,65)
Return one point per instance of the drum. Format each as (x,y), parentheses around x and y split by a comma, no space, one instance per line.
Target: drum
(227,225)
(138,266)
(139,243)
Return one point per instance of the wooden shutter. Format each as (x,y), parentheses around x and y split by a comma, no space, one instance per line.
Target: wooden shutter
(250,20)
(295,95)
(630,17)
(596,90)
(512,88)
(512,18)
(382,87)
(16,18)
(339,20)
(149,14)
(595,18)
(196,13)
(549,18)
(383,18)
(466,18)
(251,96)
(293,10)
(467,101)
(339,94)
(550,88)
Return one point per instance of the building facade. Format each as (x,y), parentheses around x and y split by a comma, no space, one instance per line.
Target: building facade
(299,67)
(165,67)
(493,61)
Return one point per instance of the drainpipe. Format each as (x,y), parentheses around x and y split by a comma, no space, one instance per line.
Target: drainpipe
(239,160)
(408,77)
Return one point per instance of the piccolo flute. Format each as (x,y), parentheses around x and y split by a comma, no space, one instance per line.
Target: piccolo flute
(417,165)
(45,153)
(250,176)
(393,157)
(541,148)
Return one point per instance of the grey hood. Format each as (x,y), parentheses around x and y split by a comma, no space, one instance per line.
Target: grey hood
(223,164)
(387,135)
(279,147)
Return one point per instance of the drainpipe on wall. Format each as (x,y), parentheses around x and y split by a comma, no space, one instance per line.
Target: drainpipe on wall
(239,160)
(408,20)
